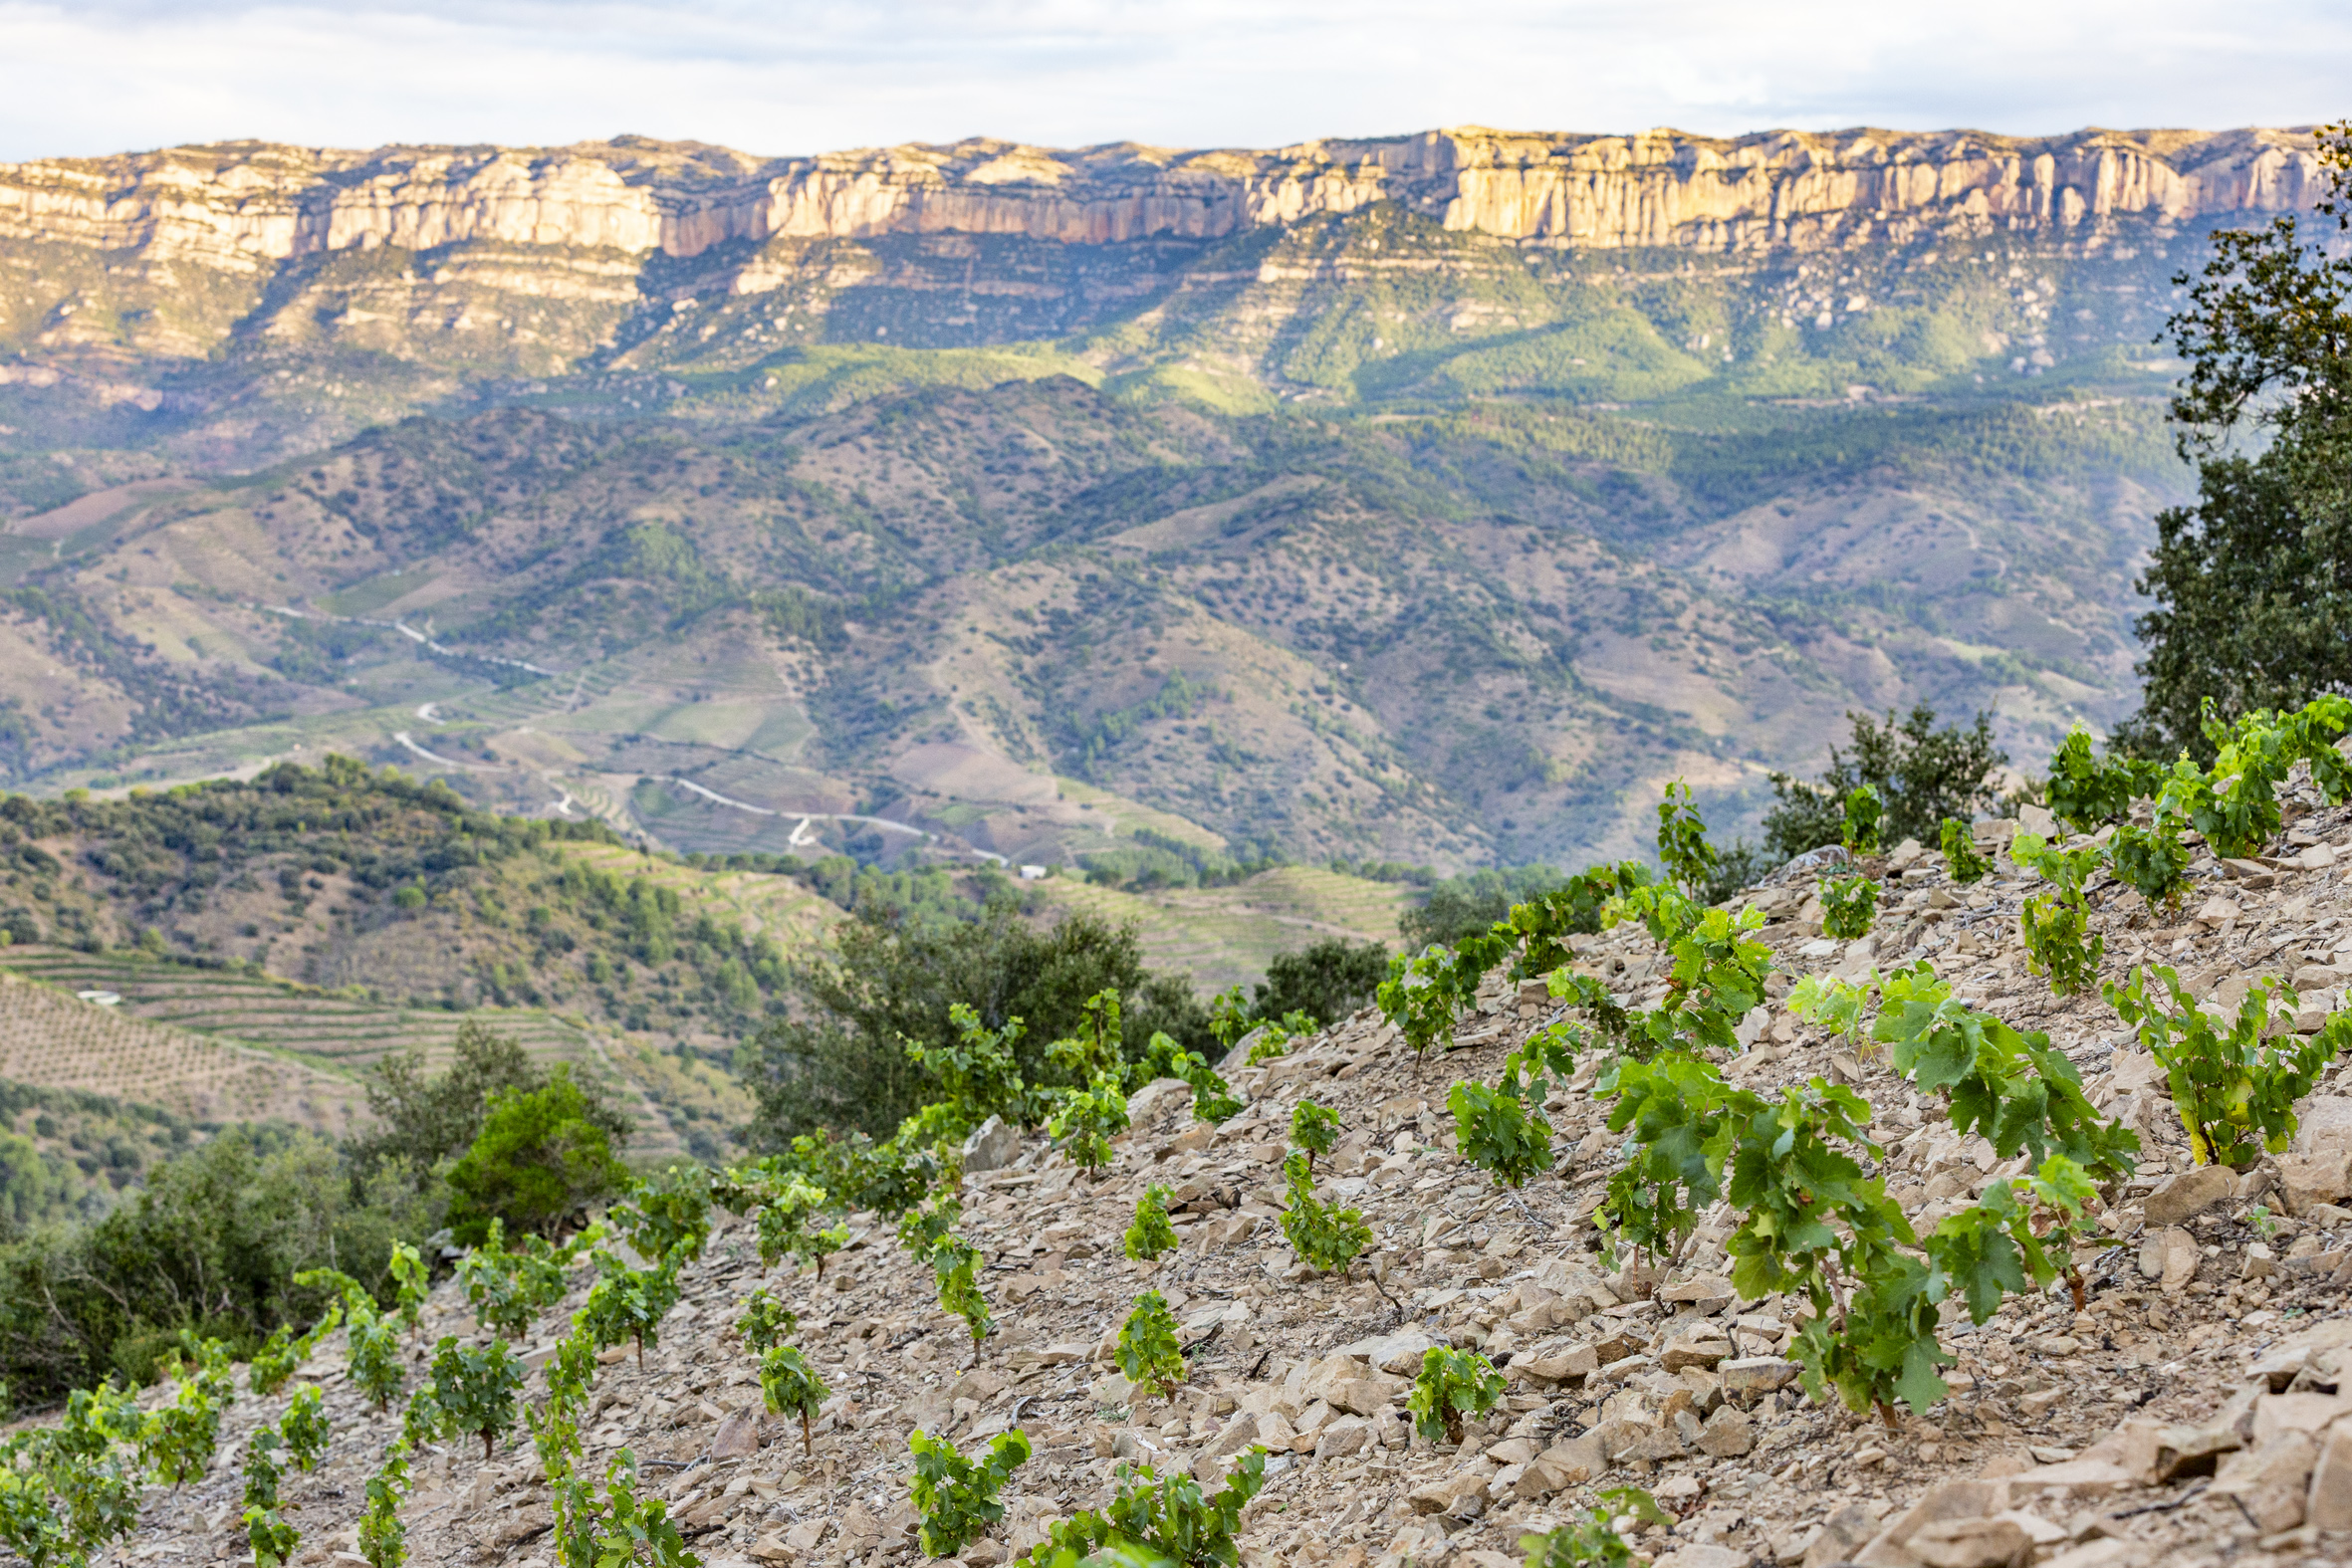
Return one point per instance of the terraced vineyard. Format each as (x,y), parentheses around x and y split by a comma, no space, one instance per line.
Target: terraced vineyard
(221,1045)
(1224,936)
(50,1038)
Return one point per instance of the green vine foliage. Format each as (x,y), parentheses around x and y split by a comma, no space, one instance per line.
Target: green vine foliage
(1148,1352)
(622,1529)
(791,1387)
(629,1303)
(1682,841)
(1961,861)
(1452,1385)
(2086,792)
(2235,1090)
(272,1362)
(273,1540)
(1324,1237)
(414,1284)
(1718,975)
(1865,811)
(1588,1541)
(383,1539)
(1086,1122)
(1850,905)
(304,1425)
(1314,1129)
(955,1265)
(1502,1129)
(666,1213)
(764,1321)
(509,1290)
(375,1361)
(1158,1519)
(2010,1087)
(475,1389)
(956,1496)
(1152,1233)
(2057,947)
(785,1219)
(2153,860)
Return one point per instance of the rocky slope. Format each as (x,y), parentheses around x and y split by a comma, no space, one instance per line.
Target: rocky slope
(2190,1416)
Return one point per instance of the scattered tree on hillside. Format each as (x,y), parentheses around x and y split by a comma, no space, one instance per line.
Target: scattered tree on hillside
(1922,774)
(2252,582)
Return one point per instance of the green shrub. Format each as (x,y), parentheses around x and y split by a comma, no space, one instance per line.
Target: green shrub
(1087,1121)
(1151,1234)
(2235,1093)
(1158,1519)
(764,1321)
(1961,860)
(1922,774)
(1313,1128)
(791,1387)
(540,1158)
(474,1388)
(1325,981)
(1452,1384)
(1683,849)
(304,1427)
(383,1539)
(1850,905)
(376,1362)
(958,1498)
(629,1303)
(1148,1352)
(1323,1238)
(2055,946)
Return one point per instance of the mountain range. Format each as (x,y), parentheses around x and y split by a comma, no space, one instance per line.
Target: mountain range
(1428,499)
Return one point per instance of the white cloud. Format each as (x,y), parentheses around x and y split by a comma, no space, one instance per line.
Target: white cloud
(804,76)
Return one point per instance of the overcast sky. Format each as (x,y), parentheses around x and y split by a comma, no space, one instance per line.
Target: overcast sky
(804,76)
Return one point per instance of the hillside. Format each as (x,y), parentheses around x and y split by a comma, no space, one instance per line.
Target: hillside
(2191,1413)
(1424,500)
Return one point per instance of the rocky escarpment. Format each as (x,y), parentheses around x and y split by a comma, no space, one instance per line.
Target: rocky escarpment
(243,206)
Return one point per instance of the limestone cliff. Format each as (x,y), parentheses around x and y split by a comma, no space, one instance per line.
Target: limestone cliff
(245,206)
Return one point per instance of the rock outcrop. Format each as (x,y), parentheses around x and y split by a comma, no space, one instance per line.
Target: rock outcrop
(244,206)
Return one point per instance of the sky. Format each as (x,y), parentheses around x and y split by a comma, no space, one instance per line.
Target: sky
(782,76)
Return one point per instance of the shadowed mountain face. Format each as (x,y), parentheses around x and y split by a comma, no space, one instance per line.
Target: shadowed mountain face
(1427,500)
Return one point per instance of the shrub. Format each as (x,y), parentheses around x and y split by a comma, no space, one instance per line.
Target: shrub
(1961,860)
(1314,1129)
(2054,944)
(2235,1092)
(1452,1384)
(474,1388)
(1085,1122)
(1501,1131)
(764,1321)
(1151,1234)
(791,1387)
(540,1158)
(1849,904)
(304,1427)
(383,1539)
(424,1121)
(1683,849)
(1147,1349)
(1156,1518)
(629,1303)
(1323,1238)
(374,1344)
(2153,860)
(958,1498)
(1326,981)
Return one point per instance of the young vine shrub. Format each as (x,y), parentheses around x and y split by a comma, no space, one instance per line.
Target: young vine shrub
(1423,994)
(1313,1128)
(30,1524)
(1502,1129)
(1152,1233)
(1849,904)
(2235,1092)
(374,1345)
(474,1388)
(791,1387)
(765,1321)
(1148,1352)
(273,1540)
(955,1265)
(624,1529)
(509,1290)
(272,1362)
(1086,1122)
(1324,1237)
(1156,1519)
(1682,841)
(383,1539)
(629,1303)
(2055,948)
(1589,1542)
(1452,1385)
(1961,861)
(262,1470)
(304,1425)
(666,1213)
(783,1220)
(2011,1088)
(2086,792)
(2153,860)
(408,1273)
(979,1076)
(956,1497)
(1865,809)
